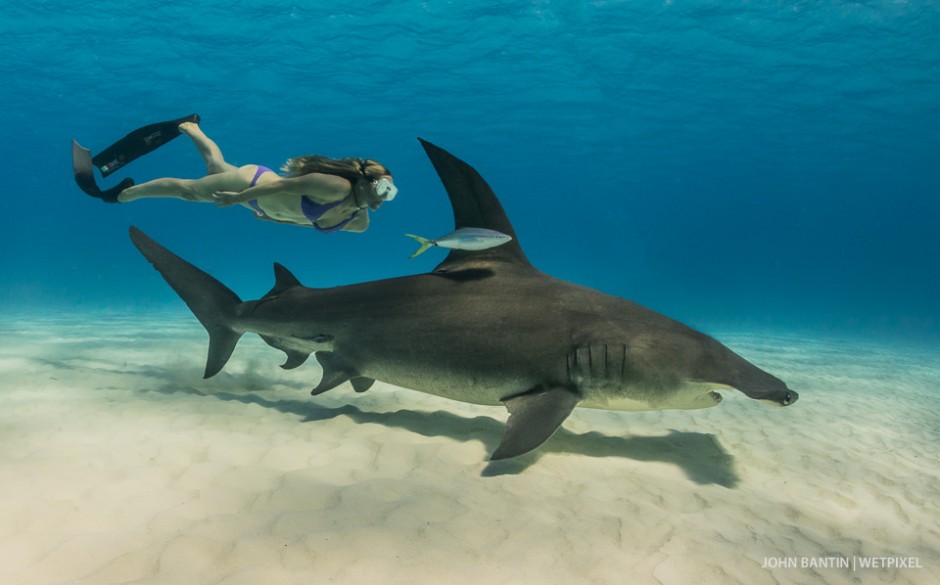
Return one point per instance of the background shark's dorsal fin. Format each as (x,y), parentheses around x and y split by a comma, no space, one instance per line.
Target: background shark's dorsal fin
(475,206)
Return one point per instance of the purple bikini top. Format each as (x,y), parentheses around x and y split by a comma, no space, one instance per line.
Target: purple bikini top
(310,208)
(314,211)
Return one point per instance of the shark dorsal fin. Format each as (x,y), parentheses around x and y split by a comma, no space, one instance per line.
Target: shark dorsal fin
(283,280)
(475,206)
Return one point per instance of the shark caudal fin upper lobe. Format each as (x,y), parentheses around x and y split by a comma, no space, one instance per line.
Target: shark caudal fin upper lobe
(212,302)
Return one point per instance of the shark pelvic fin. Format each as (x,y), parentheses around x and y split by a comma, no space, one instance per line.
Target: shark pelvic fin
(211,302)
(534,417)
(361,383)
(295,357)
(335,372)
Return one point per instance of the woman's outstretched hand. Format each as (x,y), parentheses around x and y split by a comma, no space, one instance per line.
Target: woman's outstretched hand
(226,198)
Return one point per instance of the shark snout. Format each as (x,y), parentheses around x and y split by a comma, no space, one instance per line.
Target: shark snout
(789,397)
(783,398)
(762,386)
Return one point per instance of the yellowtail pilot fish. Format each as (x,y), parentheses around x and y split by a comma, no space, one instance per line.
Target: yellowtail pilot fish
(463,239)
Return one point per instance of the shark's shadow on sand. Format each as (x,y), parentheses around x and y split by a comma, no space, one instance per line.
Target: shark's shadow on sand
(700,456)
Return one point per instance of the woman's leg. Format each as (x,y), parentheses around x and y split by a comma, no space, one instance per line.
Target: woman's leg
(191,189)
(209,150)
(222,176)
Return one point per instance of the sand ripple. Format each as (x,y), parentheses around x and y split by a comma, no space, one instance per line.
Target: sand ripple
(118,464)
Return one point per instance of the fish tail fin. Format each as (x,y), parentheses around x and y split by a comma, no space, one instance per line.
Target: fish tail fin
(425,244)
(213,303)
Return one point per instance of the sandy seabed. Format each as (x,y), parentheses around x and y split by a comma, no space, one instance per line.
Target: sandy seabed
(119,464)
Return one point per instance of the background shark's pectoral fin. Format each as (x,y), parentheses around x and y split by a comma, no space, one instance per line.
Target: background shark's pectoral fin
(361,383)
(533,418)
(335,371)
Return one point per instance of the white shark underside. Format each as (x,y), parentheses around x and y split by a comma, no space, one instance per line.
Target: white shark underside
(483,327)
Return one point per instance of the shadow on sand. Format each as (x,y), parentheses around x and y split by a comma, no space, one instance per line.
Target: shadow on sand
(699,455)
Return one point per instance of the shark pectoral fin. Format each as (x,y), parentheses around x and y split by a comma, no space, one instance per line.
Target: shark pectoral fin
(533,418)
(335,371)
(361,383)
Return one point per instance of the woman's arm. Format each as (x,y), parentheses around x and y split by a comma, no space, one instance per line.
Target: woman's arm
(360,223)
(319,187)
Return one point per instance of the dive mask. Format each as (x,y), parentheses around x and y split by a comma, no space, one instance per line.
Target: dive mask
(385,189)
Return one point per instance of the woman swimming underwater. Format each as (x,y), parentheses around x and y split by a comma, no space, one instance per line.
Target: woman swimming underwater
(324,193)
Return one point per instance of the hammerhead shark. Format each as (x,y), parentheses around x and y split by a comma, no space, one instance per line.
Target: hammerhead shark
(484,327)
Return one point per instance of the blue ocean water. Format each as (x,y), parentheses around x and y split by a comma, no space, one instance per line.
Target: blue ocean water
(767,165)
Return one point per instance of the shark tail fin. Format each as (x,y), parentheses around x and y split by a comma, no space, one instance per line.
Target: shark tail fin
(425,244)
(211,302)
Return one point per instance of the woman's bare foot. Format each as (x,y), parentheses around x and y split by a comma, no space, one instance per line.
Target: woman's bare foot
(126,195)
(189,128)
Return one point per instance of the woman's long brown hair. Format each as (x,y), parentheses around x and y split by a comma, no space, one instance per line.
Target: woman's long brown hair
(352,169)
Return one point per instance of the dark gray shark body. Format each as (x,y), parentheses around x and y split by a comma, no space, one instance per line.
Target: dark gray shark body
(484,327)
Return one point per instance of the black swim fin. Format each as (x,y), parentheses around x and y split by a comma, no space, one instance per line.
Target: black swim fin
(85,176)
(138,143)
(130,148)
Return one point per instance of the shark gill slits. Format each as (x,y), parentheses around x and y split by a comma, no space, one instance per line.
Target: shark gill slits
(597,364)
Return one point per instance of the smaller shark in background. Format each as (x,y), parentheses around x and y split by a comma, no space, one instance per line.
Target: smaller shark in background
(483,327)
